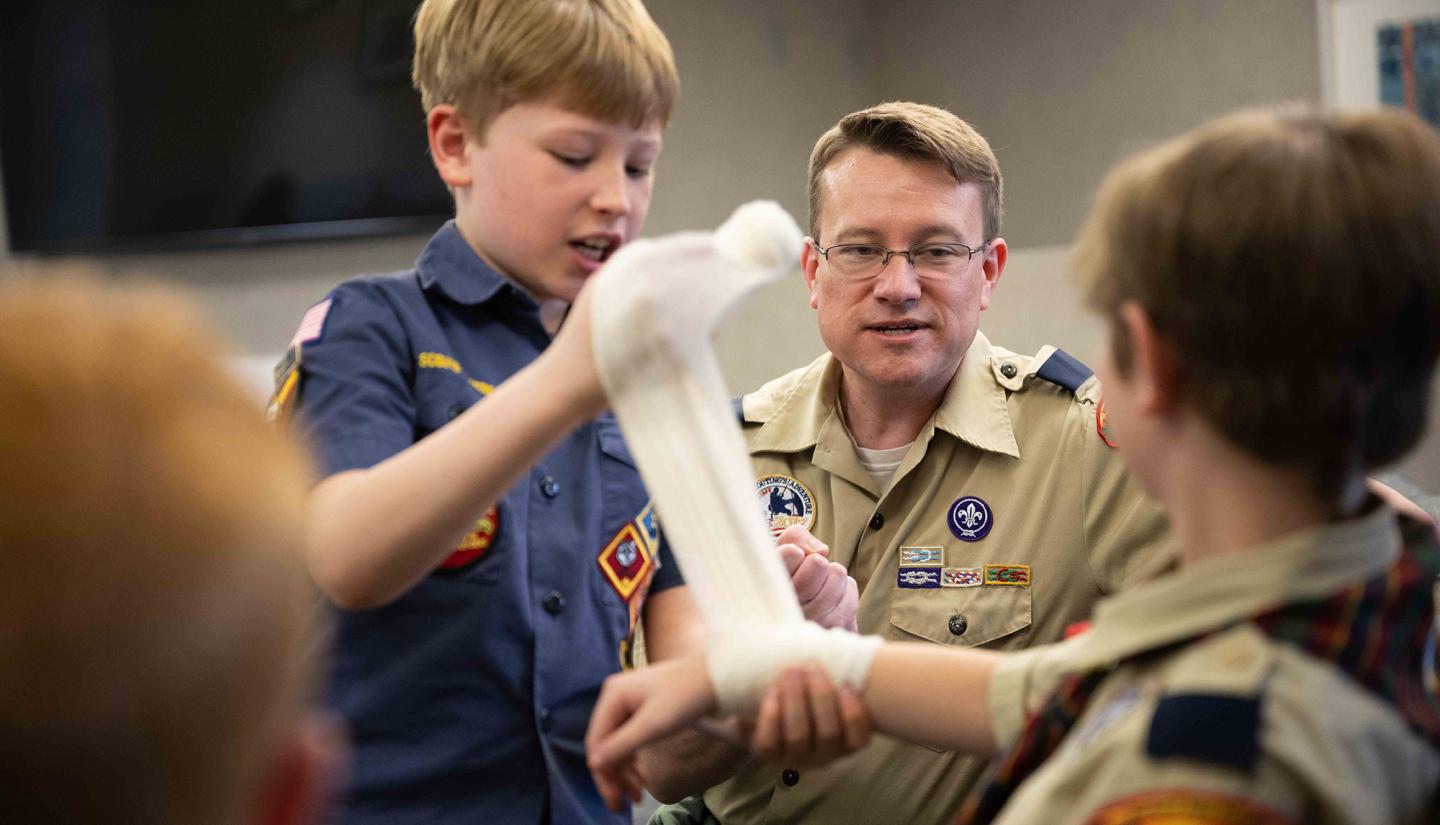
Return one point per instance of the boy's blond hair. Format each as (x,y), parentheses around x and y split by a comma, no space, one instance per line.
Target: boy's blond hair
(917,132)
(1291,259)
(154,611)
(602,58)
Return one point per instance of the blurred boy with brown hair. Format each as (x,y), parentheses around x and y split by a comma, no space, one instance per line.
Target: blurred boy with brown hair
(155,619)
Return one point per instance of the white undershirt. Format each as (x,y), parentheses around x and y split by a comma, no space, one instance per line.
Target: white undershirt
(882,464)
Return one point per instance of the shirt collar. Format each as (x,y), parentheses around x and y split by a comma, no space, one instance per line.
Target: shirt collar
(973,410)
(1218,592)
(452,266)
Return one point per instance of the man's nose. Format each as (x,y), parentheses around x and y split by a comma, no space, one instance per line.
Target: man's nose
(898,282)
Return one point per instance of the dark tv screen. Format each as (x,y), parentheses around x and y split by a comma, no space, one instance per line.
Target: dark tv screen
(151,123)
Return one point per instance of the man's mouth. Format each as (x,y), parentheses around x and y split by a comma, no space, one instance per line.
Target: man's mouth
(896,329)
(597,248)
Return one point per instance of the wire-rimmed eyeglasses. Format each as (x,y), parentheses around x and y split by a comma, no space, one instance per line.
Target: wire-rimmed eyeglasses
(866,260)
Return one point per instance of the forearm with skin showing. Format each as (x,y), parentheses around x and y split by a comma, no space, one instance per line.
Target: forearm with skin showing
(933,695)
(690,761)
(374,533)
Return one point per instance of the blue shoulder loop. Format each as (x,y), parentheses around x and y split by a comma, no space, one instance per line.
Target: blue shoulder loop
(1065,370)
(739,403)
(1217,729)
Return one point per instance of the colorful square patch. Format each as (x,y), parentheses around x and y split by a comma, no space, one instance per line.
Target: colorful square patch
(626,560)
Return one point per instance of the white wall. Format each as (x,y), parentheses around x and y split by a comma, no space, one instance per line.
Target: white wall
(1062,90)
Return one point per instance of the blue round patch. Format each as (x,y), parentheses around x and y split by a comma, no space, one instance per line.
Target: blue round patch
(970,518)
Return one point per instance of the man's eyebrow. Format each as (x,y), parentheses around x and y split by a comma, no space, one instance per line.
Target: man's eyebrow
(931,233)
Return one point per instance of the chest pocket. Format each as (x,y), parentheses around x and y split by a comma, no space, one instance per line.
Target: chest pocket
(626,556)
(440,397)
(960,616)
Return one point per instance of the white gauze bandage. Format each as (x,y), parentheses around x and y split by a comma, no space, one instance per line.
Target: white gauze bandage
(656,303)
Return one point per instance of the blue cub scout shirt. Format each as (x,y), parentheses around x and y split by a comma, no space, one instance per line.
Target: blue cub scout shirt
(468,696)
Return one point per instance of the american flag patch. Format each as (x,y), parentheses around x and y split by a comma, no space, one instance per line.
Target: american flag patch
(312,323)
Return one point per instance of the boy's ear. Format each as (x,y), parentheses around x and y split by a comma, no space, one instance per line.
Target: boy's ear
(1152,360)
(449,145)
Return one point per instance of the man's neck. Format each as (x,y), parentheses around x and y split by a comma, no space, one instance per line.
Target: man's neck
(1222,501)
(882,418)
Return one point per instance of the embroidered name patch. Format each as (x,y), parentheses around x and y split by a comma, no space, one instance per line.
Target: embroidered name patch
(474,543)
(970,518)
(961,577)
(787,502)
(627,560)
(1013,575)
(918,577)
(919,556)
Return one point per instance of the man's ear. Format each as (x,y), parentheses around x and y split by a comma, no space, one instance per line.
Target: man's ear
(305,773)
(449,143)
(809,263)
(1152,361)
(992,268)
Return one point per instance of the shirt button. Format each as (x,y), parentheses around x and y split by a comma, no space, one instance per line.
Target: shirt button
(544,719)
(1008,370)
(554,604)
(877,521)
(549,486)
(790,777)
(958,625)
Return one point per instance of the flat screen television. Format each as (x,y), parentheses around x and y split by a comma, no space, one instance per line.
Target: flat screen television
(154,123)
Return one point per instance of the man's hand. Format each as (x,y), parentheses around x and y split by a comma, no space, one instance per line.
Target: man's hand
(635,709)
(827,593)
(805,721)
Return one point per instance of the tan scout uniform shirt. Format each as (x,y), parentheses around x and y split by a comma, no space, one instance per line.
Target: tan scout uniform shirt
(1330,752)
(1059,501)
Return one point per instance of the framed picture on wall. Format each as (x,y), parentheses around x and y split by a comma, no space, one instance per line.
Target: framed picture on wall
(1381,52)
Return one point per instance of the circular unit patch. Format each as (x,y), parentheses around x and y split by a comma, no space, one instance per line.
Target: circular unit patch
(970,518)
(787,502)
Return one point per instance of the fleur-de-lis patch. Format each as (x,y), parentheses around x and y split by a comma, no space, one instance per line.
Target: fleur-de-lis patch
(970,518)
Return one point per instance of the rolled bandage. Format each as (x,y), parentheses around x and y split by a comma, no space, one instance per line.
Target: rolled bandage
(656,303)
(744,663)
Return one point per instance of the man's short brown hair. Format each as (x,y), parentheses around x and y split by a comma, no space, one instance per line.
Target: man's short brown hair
(1292,261)
(918,132)
(154,609)
(602,58)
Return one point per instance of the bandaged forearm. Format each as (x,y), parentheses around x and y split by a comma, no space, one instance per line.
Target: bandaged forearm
(744,662)
(656,304)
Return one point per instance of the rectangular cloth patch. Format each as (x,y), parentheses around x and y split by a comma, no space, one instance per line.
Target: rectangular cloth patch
(312,323)
(918,577)
(1010,575)
(961,577)
(922,556)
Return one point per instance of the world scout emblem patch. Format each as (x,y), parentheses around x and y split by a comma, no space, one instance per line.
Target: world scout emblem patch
(970,518)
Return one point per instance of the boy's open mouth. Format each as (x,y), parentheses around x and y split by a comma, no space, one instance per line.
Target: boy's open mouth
(597,248)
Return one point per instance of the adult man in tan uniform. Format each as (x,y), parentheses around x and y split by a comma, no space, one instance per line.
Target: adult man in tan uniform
(1007,515)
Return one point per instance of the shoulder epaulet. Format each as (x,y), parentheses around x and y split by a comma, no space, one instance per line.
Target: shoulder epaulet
(1215,728)
(1064,370)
